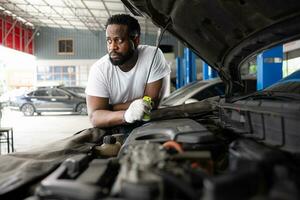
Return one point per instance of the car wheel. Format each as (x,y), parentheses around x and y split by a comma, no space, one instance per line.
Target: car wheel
(28,109)
(82,109)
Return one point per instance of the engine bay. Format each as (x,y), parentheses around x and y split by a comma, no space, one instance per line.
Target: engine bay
(178,159)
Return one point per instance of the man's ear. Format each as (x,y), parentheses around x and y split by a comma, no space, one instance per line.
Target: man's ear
(136,41)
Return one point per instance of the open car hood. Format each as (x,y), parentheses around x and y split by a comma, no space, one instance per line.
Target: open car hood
(224,33)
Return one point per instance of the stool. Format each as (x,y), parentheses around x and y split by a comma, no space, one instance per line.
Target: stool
(7,136)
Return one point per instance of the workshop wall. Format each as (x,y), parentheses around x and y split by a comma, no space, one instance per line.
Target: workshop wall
(86,44)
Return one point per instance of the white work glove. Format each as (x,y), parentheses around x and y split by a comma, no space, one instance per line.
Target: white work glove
(136,111)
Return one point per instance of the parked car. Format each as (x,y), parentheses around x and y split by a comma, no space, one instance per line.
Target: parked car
(204,89)
(48,99)
(3,96)
(235,148)
(4,100)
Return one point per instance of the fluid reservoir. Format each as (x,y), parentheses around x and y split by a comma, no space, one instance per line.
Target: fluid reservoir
(109,148)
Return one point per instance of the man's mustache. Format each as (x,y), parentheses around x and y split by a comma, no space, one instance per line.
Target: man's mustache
(114,54)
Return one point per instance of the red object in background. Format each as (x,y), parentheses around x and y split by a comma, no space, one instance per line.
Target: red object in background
(30,46)
(0,31)
(18,37)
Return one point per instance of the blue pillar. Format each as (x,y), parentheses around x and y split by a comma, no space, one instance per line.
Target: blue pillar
(190,66)
(187,64)
(179,73)
(269,67)
(185,70)
(194,68)
(208,72)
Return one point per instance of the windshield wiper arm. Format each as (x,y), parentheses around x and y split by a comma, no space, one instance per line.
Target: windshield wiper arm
(272,95)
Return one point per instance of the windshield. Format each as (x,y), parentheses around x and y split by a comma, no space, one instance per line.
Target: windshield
(182,92)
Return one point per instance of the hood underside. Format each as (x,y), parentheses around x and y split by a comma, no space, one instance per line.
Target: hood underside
(224,33)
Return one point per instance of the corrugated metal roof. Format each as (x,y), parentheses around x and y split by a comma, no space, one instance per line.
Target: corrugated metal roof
(75,14)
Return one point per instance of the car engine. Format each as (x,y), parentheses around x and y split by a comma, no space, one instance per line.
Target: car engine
(182,158)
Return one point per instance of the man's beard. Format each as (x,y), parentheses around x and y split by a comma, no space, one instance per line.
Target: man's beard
(122,58)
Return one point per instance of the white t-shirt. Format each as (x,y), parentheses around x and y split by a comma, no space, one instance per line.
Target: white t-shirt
(109,81)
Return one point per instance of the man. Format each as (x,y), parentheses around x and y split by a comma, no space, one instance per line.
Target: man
(117,81)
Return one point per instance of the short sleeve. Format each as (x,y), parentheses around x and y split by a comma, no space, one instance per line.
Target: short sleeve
(97,85)
(160,68)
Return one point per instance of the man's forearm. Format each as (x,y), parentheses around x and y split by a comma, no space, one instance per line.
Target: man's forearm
(121,106)
(106,118)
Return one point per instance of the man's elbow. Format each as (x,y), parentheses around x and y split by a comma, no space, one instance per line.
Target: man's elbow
(98,121)
(93,119)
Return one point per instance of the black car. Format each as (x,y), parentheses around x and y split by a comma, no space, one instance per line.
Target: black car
(229,148)
(49,99)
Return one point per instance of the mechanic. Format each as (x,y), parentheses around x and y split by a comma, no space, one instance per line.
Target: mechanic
(117,81)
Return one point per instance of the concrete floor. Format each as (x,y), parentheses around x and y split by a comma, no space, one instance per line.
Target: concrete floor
(34,131)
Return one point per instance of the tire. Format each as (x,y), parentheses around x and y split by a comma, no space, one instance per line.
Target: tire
(81,109)
(28,109)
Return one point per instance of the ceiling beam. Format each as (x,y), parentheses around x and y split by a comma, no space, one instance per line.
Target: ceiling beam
(74,13)
(57,6)
(40,11)
(107,10)
(101,25)
(21,10)
(78,11)
(59,14)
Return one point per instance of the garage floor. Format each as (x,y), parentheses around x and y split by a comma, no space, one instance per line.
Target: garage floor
(34,131)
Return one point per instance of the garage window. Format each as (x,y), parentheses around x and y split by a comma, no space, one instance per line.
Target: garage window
(65,46)
(56,74)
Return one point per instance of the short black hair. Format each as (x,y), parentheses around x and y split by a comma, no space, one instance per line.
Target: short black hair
(133,25)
